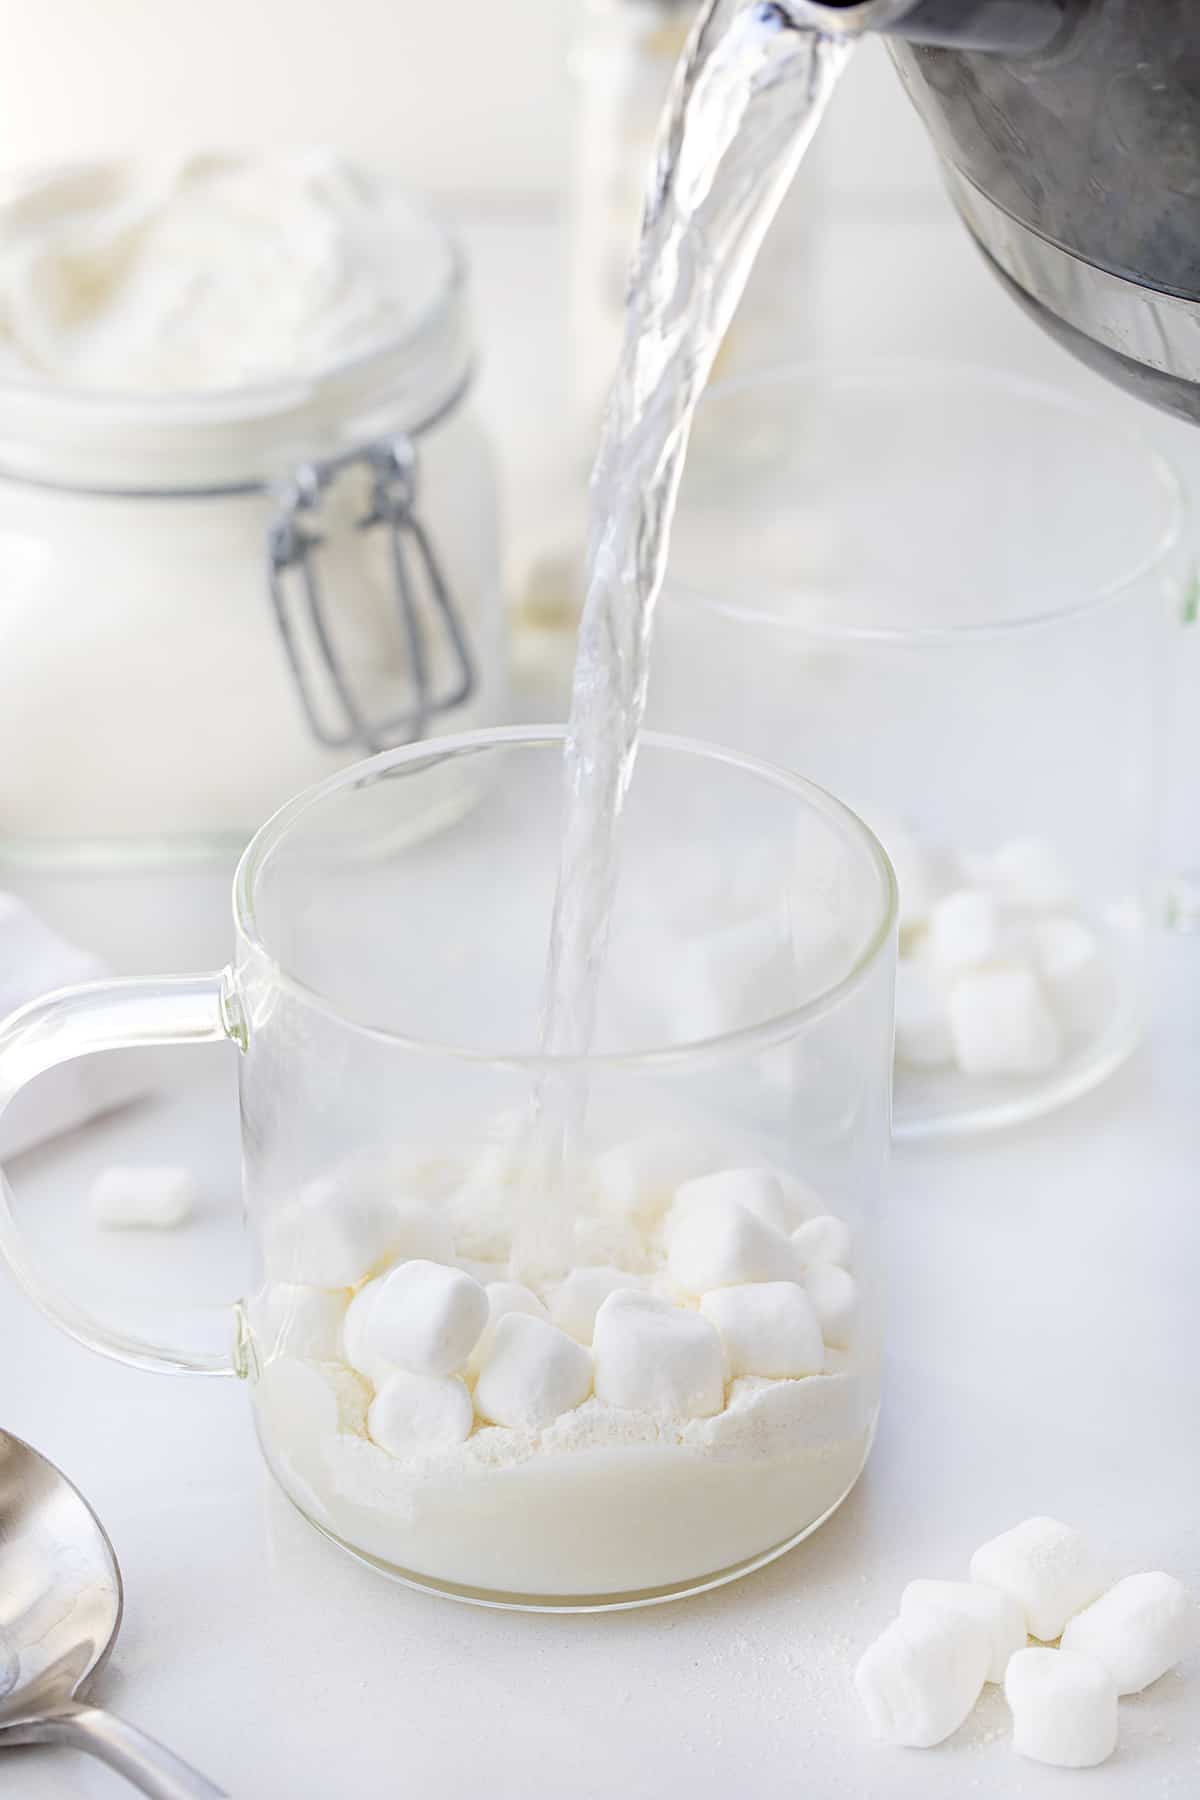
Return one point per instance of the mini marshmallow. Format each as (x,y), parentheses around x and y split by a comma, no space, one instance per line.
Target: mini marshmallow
(576,1300)
(760,1191)
(721,1244)
(356,1345)
(1067,956)
(964,932)
(1048,1569)
(503,1297)
(825,1239)
(1028,873)
(533,1373)
(767,1328)
(834,1296)
(427,1318)
(291,1320)
(921,1677)
(1138,1630)
(654,1357)
(999,1614)
(335,1237)
(922,1029)
(154,1197)
(420,1412)
(637,1178)
(1000,1023)
(1064,1708)
(734,977)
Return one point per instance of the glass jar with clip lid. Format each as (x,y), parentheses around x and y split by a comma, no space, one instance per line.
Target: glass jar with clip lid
(211,599)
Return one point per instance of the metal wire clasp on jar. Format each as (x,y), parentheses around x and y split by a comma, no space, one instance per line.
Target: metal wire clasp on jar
(292,543)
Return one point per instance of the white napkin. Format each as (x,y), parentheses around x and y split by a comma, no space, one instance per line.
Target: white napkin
(34,960)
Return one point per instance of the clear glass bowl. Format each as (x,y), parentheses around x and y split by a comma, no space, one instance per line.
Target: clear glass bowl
(946,594)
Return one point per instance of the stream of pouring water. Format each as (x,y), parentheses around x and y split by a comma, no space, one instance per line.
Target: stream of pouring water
(746,100)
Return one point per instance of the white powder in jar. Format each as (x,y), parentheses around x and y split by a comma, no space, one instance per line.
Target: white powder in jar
(177,343)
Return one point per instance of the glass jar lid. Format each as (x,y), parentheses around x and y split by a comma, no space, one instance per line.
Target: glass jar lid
(409,363)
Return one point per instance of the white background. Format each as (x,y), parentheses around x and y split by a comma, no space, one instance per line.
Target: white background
(462,96)
(1042,1308)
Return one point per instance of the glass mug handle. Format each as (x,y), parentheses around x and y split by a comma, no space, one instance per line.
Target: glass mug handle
(78,1021)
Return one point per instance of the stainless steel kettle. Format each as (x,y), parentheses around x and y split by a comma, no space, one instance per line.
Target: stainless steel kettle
(1070,135)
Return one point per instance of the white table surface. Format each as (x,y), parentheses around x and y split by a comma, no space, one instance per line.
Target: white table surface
(1042,1358)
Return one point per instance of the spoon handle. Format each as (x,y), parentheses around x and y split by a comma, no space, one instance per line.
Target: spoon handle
(147,1764)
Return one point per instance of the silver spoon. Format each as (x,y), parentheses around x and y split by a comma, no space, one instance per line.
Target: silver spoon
(60,1610)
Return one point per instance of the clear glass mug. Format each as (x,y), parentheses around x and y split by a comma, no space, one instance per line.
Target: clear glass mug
(948,594)
(384,997)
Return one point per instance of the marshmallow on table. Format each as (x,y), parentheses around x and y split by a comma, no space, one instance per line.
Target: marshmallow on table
(834,1297)
(921,1677)
(1048,1569)
(653,1357)
(922,1028)
(720,1244)
(767,1328)
(578,1298)
(1027,873)
(760,1191)
(415,1412)
(532,1374)
(157,1197)
(34,960)
(999,1614)
(825,1239)
(1000,1023)
(1064,1707)
(964,932)
(503,1297)
(334,1237)
(1138,1630)
(292,1320)
(427,1318)
(1068,961)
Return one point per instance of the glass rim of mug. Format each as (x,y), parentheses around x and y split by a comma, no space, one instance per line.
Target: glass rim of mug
(911,372)
(763,1034)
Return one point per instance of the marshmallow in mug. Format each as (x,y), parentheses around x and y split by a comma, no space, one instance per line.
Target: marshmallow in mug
(420,1412)
(718,1242)
(657,1358)
(427,1318)
(767,1328)
(532,1374)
